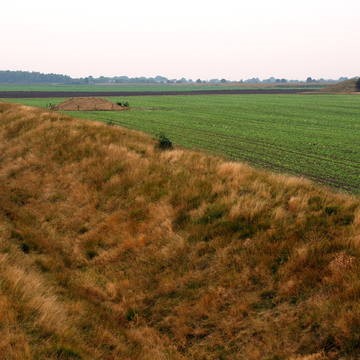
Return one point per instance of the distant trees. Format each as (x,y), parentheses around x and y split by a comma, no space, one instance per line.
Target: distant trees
(253,81)
(309,80)
(181,81)
(26,77)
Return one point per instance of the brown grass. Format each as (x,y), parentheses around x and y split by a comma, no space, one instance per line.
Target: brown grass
(111,249)
(347,86)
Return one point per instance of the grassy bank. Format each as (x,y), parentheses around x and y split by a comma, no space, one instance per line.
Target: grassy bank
(112,249)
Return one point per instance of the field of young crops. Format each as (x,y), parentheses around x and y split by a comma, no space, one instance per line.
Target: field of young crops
(153,87)
(317,136)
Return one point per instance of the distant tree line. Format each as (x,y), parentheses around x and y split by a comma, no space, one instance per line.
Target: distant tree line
(26,77)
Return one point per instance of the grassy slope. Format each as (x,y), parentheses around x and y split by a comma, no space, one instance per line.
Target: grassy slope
(313,135)
(110,249)
(348,86)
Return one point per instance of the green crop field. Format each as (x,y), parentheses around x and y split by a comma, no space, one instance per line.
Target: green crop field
(153,87)
(317,136)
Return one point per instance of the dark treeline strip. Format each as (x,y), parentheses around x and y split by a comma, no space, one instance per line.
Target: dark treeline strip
(27,77)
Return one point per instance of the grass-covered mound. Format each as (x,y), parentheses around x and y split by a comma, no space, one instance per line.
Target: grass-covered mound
(113,249)
(347,86)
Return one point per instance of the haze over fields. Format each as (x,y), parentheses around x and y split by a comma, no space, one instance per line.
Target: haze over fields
(232,39)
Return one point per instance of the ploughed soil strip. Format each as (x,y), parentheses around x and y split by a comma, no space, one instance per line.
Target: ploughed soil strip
(64,94)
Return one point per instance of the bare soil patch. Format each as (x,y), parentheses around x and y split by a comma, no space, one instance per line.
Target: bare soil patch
(88,104)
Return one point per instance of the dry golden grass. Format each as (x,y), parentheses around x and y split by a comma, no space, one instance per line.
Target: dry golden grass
(111,249)
(347,86)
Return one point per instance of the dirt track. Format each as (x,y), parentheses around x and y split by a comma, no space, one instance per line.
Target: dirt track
(65,94)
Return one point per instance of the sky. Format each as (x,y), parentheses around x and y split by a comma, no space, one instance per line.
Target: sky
(232,39)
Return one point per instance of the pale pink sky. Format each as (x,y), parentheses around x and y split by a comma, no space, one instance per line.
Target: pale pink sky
(192,38)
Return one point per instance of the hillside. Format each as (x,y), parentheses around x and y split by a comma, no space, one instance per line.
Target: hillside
(347,86)
(112,249)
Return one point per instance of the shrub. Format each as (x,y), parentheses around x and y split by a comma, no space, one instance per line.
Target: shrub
(164,143)
(90,254)
(357,84)
(131,314)
(125,103)
(25,248)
